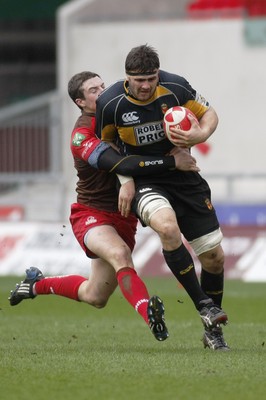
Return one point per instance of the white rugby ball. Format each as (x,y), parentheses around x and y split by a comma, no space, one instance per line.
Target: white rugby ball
(177,116)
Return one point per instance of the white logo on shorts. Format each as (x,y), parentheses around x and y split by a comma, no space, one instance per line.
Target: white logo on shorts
(90,220)
(144,190)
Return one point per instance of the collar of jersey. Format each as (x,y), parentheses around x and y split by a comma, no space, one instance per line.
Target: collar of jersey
(89,114)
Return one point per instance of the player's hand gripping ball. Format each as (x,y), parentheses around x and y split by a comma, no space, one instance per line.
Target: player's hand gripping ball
(177,116)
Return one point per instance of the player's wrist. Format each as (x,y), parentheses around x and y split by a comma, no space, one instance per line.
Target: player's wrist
(170,162)
(124,179)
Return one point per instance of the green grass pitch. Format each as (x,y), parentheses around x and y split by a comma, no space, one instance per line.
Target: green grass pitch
(57,349)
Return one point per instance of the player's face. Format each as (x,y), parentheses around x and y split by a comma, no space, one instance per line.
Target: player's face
(92,88)
(142,87)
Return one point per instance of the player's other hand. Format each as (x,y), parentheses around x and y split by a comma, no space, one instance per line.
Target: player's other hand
(184,161)
(126,195)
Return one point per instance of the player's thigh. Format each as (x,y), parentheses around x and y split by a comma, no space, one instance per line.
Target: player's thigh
(155,210)
(165,224)
(164,220)
(105,242)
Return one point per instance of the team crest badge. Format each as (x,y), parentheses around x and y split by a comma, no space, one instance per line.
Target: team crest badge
(208,204)
(164,108)
(78,139)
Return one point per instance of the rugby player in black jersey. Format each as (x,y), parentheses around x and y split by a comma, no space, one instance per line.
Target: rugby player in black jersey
(130,113)
(104,234)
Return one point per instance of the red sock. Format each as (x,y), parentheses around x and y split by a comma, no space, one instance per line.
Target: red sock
(134,290)
(66,286)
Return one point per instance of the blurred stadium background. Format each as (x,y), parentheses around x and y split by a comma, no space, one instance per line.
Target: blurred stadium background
(219,46)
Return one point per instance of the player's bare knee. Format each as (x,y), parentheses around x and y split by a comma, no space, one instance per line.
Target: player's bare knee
(168,230)
(217,260)
(120,255)
(213,260)
(96,301)
(100,303)
(209,251)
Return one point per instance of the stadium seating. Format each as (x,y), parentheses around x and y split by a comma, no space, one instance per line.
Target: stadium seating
(256,8)
(216,8)
(226,8)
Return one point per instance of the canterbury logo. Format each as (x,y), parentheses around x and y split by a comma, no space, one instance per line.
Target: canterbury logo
(130,117)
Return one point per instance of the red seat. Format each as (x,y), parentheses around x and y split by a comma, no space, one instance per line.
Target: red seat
(256,8)
(216,8)
(216,4)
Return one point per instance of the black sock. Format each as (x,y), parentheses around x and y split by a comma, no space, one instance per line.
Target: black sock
(181,264)
(213,285)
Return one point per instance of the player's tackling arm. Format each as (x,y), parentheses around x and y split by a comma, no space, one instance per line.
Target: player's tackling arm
(100,155)
(134,165)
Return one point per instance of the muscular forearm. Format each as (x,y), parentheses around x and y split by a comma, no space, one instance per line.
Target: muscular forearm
(134,165)
(208,123)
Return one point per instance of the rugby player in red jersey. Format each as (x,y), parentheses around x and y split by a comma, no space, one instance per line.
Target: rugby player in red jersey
(106,236)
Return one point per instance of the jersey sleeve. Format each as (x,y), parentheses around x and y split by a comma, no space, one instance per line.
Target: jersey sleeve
(194,101)
(187,96)
(198,105)
(86,146)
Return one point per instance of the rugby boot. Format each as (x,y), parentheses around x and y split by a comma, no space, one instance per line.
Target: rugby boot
(213,339)
(155,312)
(24,289)
(212,315)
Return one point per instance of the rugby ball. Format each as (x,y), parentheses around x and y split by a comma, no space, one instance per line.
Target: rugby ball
(177,116)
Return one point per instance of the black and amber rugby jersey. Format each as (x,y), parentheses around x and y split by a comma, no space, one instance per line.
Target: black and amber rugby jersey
(138,126)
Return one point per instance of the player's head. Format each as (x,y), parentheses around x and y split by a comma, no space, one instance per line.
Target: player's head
(142,69)
(142,60)
(84,88)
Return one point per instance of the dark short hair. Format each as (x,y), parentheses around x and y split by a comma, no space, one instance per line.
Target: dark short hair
(142,60)
(75,89)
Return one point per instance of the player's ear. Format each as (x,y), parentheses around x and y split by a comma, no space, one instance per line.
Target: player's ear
(80,102)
